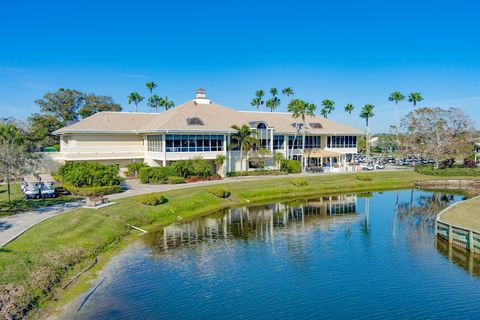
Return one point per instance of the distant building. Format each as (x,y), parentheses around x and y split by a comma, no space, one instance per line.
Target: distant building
(200,128)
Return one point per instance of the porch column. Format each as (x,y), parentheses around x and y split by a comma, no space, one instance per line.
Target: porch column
(225,152)
(285,146)
(164,150)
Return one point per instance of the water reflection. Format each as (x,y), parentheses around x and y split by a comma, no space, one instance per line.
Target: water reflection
(331,257)
(259,222)
(468,261)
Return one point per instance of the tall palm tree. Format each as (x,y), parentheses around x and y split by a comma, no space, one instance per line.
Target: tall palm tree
(414,98)
(244,138)
(273,92)
(329,105)
(367,113)
(257,102)
(396,96)
(301,109)
(150,86)
(135,98)
(349,108)
(324,112)
(288,91)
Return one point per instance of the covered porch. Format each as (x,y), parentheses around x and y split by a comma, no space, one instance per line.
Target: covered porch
(321,160)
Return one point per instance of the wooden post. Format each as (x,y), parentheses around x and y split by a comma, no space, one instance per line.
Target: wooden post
(450,235)
(471,248)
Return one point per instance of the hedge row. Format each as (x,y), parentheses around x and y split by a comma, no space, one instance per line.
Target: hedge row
(91,191)
(290,166)
(89,174)
(447,172)
(156,174)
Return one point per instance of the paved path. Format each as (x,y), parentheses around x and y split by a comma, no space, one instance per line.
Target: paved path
(13,226)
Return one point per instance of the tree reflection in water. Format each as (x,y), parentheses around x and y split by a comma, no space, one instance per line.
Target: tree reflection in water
(422,210)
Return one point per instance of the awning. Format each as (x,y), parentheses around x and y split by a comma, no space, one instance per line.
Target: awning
(322,153)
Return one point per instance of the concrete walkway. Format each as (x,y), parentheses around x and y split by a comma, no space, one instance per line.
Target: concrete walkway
(13,226)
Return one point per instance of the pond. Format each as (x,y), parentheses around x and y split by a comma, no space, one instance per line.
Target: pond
(364,256)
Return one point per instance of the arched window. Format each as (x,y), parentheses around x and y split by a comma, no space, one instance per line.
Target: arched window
(195,121)
(262,125)
(316,125)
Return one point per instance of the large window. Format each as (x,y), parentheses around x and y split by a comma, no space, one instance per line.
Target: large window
(297,142)
(193,142)
(311,142)
(154,143)
(342,142)
(278,142)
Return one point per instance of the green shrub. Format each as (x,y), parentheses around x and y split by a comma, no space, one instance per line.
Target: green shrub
(197,167)
(134,168)
(447,172)
(90,174)
(154,199)
(91,191)
(220,192)
(364,177)
(299,182)
(176,180)
(290,166)
(256,173)
(156,174)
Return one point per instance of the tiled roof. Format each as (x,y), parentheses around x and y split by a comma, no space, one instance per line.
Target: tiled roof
(215,118)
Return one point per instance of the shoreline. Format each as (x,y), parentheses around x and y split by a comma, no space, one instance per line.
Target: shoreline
(196,203)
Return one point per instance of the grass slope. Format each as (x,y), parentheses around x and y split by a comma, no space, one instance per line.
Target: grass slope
(53,251)
(465,214)
(20,204)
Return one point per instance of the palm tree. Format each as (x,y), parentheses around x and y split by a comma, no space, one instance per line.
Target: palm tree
(274,92)
(135,98)
(288,91)
(167,104)
(329,105)
(349,108)
(415,97)
(243,138)
(396,96)
(155,102)
(301,109)
(258,101)
(273,103)
(367,113)
(150,86)
(324,112)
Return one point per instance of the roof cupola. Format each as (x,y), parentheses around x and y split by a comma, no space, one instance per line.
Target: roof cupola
(201,96)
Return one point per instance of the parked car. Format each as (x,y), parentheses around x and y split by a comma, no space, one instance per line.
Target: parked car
(379,166)
(368,167)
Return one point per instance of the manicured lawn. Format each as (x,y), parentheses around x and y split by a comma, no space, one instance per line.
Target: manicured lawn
(48,254)
(465,214)
(20,204)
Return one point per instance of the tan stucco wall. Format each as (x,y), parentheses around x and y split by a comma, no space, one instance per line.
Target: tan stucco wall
(122,140)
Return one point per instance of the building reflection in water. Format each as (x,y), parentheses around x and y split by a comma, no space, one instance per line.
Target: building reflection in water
(258,222)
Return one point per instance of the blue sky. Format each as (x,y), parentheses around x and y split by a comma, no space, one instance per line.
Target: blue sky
(347,51)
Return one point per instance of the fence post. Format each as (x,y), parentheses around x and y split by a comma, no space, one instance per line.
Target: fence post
(450,234)
(471,248)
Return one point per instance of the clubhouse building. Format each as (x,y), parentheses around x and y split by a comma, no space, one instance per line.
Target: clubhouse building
(202,128)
